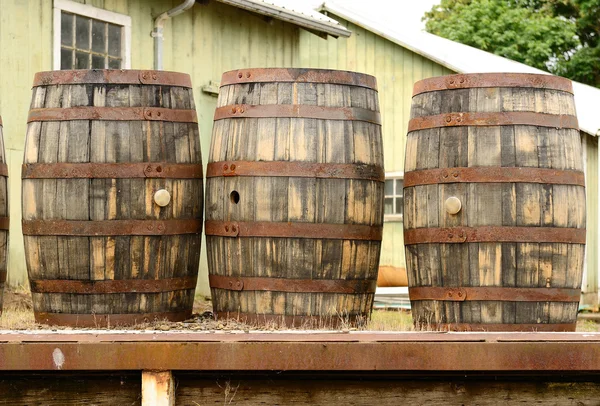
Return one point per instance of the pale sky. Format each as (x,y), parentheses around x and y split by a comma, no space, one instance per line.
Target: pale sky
(408,13)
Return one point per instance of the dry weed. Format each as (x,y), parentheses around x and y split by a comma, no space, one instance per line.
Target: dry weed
(18,315)
(390,320)
(17,310)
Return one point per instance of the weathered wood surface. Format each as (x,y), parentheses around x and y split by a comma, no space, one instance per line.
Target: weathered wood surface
(295,199)
(3,213)
(270,390)
(490,264)
(118,257)
(193,389)
(70,389)
(158,388)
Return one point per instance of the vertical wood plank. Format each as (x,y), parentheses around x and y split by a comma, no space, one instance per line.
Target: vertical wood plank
(298,199)
(120,257)
(533,265)
(158,388)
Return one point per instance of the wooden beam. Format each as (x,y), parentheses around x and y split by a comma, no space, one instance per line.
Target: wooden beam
(60,388)
(453,391)
(555,353)
(158,388)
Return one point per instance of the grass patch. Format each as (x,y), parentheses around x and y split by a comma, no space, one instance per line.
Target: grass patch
(587,326)
(390,320)
(17,311)
(18,315)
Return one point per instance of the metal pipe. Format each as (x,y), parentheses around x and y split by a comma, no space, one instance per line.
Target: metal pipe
(157,31)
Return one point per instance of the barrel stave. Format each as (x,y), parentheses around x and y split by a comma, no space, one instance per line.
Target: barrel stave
(484,99)
(293,139)
(128,303)
(111,257)
(509,204)
(500,208)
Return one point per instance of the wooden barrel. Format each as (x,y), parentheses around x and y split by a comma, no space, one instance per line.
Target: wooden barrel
(112,197)
(294,196)
(3,216)
(494,200)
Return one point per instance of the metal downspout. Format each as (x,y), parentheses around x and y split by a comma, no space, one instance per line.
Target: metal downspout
(157,31)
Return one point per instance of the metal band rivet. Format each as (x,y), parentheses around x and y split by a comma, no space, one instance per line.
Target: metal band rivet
(113,114)
(293,230)
(481,80)
(296,169)
(112,76)
(111,227)
(487,293)
(292,285)
(276,75)
(494,234)
(494,174)
(112,286)
(297,111)
(558,121)
(125,170)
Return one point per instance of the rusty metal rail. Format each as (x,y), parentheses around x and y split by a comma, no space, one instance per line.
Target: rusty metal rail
(300,351)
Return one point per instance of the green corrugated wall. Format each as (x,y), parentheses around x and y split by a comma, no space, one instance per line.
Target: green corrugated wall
(204,42)
(396,69)
(590,280)
(213,38)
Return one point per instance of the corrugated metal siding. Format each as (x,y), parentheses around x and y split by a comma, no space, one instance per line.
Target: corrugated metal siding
(590,279)
(392,245)
(396,69)
(204,42)
(26,44)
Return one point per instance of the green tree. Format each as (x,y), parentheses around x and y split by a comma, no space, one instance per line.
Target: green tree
(583,63)
(559,36)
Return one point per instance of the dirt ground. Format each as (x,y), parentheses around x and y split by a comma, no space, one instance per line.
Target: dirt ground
(18,315)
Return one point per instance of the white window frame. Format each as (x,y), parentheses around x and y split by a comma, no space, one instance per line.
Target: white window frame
(394,217)
(97,14)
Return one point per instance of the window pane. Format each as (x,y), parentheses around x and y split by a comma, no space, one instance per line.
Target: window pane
(66,59)
(98,37)
(114,63)
(82,60)
(98,62)
(66,29)
(82,32)
(114,40)
(388,205)
(389,187)
(399,205)
(399,186)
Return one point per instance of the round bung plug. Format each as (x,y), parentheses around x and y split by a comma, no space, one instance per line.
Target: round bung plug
(453,205)
(162,197)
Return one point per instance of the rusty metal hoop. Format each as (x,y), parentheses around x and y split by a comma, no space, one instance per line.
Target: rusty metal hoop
(479,80)
(294,75)
(113,77)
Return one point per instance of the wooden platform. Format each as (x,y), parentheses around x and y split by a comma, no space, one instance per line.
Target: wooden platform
(250,368)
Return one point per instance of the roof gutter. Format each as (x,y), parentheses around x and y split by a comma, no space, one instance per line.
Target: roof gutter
(284,14)
(157,31)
